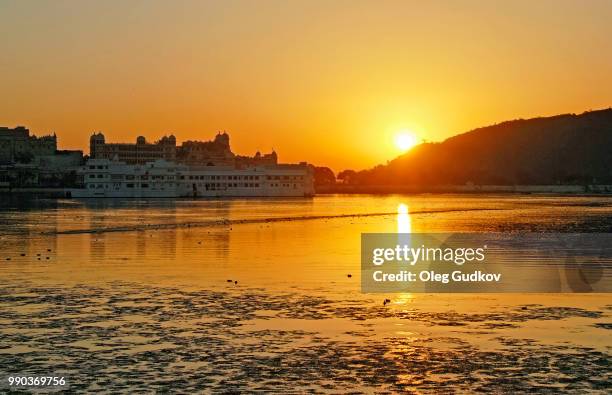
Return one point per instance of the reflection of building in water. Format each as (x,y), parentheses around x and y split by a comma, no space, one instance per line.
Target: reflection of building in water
(165,241)
(97,246)
(24,234)
(221,236)
(220,241)
(158,243)
(138,237)
(212,243)
(142,241)
(96,220)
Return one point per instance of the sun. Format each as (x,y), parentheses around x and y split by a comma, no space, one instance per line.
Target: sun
(405,140)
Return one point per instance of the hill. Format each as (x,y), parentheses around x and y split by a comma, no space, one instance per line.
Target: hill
(563,149)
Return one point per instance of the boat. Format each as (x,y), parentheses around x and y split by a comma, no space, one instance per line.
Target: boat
(105,178)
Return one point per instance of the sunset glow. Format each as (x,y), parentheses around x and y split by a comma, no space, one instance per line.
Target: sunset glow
(305,196)
(405,140)
(321,92)
(403,219)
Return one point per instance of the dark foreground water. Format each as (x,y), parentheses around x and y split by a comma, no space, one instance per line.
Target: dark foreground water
(134,297)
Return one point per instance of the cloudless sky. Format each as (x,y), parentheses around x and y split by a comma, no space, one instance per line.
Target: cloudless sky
(330,82)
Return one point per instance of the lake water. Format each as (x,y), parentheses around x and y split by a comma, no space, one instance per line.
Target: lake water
(121,296)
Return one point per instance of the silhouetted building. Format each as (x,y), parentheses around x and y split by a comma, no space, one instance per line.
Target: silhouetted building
(139,153)
(62,159)
(30,161)
(257,160)
(207,153)
(17,146)
(216,152)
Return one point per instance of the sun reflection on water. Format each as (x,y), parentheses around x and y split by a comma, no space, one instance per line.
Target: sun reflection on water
(403,219)
(403,230)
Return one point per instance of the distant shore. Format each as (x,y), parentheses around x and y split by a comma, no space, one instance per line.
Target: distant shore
(382,189)
(389,189)
(35,192)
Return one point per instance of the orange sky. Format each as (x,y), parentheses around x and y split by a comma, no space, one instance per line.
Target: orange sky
(329,82)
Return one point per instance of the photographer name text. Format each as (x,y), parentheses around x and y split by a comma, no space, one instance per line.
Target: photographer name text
(432,276)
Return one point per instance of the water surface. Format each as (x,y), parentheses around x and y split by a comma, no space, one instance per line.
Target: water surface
(133,295)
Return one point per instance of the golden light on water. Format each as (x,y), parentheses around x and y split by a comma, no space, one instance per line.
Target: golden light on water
(403,226)
(403,298)
(403,219)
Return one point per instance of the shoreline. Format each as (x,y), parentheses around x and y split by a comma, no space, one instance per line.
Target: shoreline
(583,190)
(575,190)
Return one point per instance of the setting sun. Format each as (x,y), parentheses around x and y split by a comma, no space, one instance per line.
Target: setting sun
(405,140)
(224,194)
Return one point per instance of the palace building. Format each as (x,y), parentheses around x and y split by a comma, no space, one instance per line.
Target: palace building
(216,152)
(139,153)
(17,145)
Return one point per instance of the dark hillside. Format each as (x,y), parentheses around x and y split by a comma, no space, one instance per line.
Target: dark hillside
(564,149)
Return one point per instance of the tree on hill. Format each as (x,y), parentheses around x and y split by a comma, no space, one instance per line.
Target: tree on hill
(324,176)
